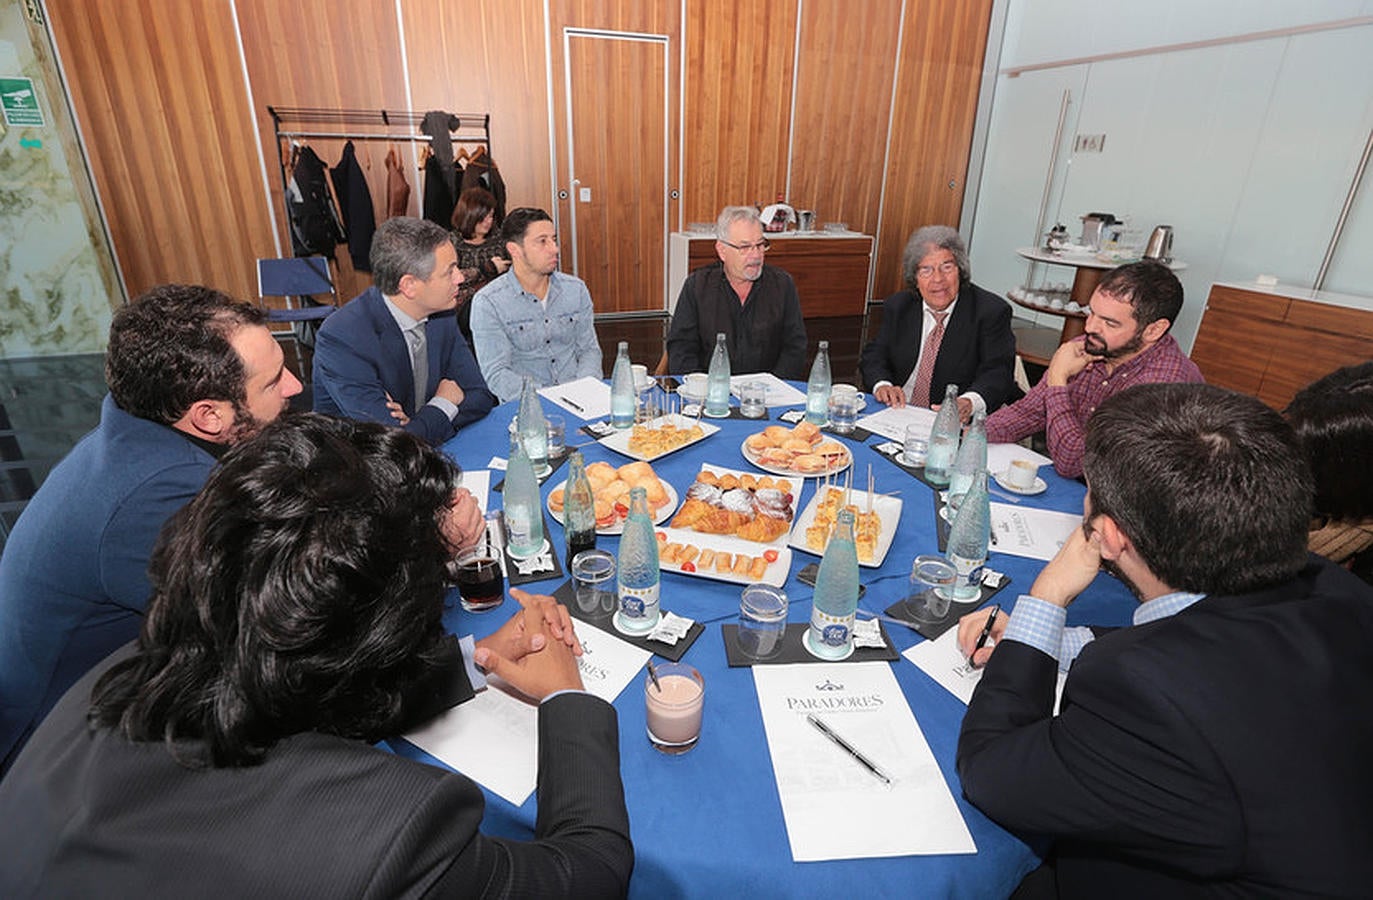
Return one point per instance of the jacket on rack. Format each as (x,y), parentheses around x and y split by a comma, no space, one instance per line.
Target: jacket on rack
(397,188)
(350,186)
(438,200)
(316,228)
(482,172)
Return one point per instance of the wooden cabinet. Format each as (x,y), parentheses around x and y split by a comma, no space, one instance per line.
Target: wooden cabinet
(830,270)
(1270,343)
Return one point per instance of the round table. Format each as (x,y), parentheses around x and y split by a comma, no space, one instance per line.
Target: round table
(710,822)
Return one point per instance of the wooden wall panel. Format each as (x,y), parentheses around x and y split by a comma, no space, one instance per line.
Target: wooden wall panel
(843,95)
(738,102)
(478,56)
(159,94)
(936,103)
(323,54)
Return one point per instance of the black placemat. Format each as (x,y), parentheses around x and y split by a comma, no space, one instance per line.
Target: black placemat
(566,594)
(554,464)
(943,526)
(957,610)
(792,650)
(894,457)
(547,564)
(794,416)
(597,430)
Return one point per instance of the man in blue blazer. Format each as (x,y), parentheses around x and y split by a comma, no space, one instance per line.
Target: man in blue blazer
(977,349)
(191,372)
(369,354)
(1220,745)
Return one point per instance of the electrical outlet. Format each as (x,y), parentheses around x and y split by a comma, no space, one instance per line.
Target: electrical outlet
(1089,143)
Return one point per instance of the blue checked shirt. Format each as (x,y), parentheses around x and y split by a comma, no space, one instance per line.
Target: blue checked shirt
(1042,624)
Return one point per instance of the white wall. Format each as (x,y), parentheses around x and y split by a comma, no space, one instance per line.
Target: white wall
(1246,149)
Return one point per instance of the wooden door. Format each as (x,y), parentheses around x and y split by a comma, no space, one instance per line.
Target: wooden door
(615,235)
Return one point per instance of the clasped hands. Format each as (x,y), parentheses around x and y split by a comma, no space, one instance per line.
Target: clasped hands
(1067,575)
(895,397)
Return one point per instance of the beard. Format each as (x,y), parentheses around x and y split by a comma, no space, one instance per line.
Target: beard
(1095,345)
(1109,566)
(246,425)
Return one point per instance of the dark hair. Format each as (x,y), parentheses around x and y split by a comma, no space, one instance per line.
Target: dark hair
(928,239)
(1149,287)
(1210,485)
(473,205)
(301,590)
(1333,416)
(402,246)
(170,347)
(517,222)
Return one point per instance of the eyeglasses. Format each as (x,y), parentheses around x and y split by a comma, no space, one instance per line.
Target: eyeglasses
(762,246)
(948,267)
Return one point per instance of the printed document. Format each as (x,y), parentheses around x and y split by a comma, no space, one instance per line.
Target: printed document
(1029,532)
(834,807)
(494,737)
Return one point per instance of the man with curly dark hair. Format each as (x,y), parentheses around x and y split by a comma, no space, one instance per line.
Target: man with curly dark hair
(296,618)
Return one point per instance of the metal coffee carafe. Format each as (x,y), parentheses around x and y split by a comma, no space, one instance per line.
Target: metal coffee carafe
(1160,246)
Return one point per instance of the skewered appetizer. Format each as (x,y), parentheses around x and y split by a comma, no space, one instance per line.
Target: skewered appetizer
(801,449)
(755,509)
(655,441)
(867,526)
(610,489)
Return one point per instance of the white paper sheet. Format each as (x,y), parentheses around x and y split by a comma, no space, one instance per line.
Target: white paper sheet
(945,663)
(493,738)
(478,484)
(779,392)
(891,423)
(586,398)
(834,808)
(1029,532)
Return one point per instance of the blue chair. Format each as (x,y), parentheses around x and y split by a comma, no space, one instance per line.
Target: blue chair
(298,281)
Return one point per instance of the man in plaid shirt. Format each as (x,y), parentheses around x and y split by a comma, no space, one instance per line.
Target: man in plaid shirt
(1126,342)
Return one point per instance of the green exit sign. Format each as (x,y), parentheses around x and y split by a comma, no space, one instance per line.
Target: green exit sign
(20,102)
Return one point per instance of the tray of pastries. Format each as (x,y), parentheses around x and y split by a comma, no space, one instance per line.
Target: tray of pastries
(801,450)
(739,504)
(610,487)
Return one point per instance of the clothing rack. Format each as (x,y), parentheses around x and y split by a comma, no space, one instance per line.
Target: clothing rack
(347,124)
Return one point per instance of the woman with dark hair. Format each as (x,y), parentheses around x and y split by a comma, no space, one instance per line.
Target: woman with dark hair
(296,619)
(481,253)
(1333,416)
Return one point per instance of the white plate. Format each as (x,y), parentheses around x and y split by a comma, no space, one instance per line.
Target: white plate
(1040,486)
(619,440)
(663,513)
(775,574)
(888,511)
(778,470)
(793,484)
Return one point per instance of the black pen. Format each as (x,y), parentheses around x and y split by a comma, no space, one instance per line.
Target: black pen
(987,629)
(572,403)
(848,748)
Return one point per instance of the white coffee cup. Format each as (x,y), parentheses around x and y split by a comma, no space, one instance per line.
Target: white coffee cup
(695,384)
(1022,474)
(640,376)
(843,389)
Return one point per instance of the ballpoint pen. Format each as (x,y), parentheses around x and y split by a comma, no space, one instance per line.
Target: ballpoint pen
(572,403)
(987,629)
(848,748)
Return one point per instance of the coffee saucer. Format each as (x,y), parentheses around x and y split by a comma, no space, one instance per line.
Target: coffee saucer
(1039,487)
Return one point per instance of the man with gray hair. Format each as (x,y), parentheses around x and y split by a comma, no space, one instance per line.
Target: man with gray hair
(754,305)
(394,355)
(941,330)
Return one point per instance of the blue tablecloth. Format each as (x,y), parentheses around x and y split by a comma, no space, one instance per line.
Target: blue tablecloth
(710,822)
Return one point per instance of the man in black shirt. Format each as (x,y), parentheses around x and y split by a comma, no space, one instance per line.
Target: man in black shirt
(754,305)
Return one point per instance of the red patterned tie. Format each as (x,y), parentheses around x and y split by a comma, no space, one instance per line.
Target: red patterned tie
(919,392)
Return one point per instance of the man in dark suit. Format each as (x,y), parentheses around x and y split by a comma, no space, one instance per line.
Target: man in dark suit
(297,619)
(1220,745)
(941,330)
(394,354)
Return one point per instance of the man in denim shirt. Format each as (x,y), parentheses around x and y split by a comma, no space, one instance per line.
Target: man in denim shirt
(533,320)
